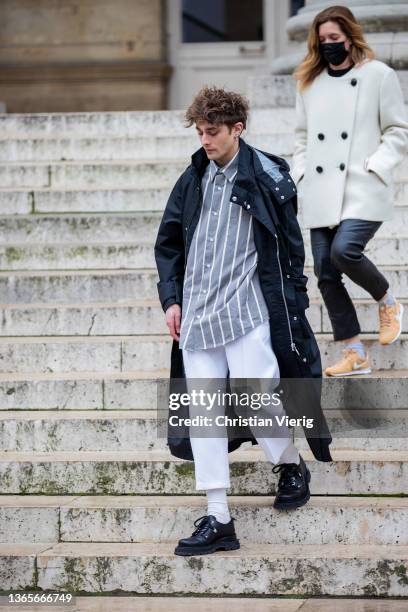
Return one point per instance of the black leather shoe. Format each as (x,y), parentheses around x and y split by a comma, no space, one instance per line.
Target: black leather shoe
(293,486)
(209,536)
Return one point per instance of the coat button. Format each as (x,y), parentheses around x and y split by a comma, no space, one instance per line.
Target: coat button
(320,136)
(353,82)
(342,166)
(234,198)
(344,135)
(319,169)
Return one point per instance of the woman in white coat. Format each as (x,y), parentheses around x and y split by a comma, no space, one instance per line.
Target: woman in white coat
(351,132)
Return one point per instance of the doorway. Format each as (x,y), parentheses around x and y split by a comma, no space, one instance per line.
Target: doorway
(213,43)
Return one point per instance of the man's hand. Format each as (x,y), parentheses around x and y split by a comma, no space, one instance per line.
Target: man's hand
(173,318)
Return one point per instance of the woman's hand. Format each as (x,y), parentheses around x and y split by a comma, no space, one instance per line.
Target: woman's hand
(173,319)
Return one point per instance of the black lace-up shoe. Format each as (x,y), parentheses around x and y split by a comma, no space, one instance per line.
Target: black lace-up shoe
(209,536)
(293,486)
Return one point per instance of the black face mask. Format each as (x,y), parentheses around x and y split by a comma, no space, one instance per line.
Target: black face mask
(335,53)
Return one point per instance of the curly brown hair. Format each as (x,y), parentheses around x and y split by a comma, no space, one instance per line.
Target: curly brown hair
(217,106)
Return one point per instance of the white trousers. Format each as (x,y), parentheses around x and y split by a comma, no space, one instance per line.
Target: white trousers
(249,356)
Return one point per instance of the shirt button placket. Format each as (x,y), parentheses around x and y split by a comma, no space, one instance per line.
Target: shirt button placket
(212,228)
(215,208)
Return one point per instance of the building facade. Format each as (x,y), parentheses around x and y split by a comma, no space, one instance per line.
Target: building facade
(100,55)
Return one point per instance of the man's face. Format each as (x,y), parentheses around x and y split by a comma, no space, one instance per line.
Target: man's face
(217,140)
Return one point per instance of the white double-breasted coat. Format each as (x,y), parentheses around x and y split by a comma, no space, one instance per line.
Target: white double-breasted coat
(351,132)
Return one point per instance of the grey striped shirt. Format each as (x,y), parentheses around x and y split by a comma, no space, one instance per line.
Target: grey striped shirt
(222,296)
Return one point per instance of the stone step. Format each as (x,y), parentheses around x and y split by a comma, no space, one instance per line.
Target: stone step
(124,227)
(131,174)
(139,518)
(46,431)
(133,317)
(254,569)
(138,390)
(381,357)
(131,125)
(95,319)
(80,390)
(98,148)
(53,287)
(151,472)
(26,201)
(145,148)
(102,255)
(127,125)
(73,229)
(146,353)
(216,604)
(79,354)
(204,604)
(130,148)
(76,430)
(367,312)
(219,604)
(112,200)
(126,174)
(85,286)
(51,256)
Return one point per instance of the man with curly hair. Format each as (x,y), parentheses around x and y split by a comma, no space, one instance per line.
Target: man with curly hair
(230,256)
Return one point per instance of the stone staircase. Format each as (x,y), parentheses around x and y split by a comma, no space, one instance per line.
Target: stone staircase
(92,501)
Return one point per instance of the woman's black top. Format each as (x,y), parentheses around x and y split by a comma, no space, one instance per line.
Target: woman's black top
(338,73)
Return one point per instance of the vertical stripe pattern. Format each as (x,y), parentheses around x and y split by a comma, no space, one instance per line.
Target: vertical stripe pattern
(222,296)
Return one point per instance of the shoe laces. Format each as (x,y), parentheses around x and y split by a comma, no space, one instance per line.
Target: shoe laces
(348,352)
(288,472)
(202,526)
(385,315)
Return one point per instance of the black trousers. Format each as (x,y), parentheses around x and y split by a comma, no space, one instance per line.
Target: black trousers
(340,250)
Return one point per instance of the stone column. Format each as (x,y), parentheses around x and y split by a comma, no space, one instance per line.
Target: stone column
(385,24)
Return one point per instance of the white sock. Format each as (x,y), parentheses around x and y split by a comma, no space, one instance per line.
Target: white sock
(290,455)
(217,505)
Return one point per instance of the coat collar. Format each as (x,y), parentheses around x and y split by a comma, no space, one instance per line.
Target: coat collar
(229,170)
(249,165)
(256,169)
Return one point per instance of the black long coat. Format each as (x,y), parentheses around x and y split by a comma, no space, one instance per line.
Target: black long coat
(264,188)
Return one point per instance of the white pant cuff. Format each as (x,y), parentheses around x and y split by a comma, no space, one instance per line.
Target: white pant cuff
(212,485)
